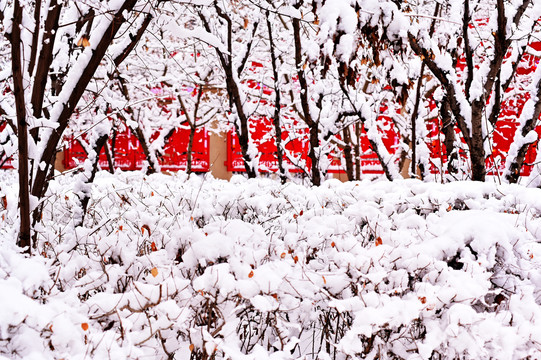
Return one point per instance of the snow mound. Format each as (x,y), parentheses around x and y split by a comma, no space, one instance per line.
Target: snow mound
(196,268)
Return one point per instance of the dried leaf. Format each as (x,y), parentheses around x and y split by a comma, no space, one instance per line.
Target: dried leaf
(84,326)
(154,272)
(83,41)
(379,241)
(143,228)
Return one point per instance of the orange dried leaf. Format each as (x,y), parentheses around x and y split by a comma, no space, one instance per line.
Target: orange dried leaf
(422,299)
(84,326)
(153,246)
(145,227)
(301,212)
(154,272)
(251,274)
(283,255)
(379,241)
(275,296)
(324,280)
(120,228)
(333,244)
(191,347)
(83,41)
(295,259)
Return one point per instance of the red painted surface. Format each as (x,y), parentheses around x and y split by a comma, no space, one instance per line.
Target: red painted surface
(6,163)
(129,155)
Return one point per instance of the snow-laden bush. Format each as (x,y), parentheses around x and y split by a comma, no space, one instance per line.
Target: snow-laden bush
(197,268)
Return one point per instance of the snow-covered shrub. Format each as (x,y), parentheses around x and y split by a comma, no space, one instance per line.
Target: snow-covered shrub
(197,268)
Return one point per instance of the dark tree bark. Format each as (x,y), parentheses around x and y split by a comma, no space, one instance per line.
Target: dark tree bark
(313,125)
(414,116)
(449,133)
(22,129)
(347,154)
(85,197)
(233,91)
(277,104)
(192,122)
(357,149)
(513,173)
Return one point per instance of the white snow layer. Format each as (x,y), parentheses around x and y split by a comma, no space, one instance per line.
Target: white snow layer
(177,266)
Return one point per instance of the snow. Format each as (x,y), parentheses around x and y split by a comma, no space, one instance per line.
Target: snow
(405,268)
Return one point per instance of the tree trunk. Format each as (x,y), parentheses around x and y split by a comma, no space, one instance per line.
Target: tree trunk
(357,149)
(189,151)
(233,91)
(100,142)
(22,130)
(449,133)
(414,117)
(347,153)
(277,105)
(513,171)
(477,150)
(312,124)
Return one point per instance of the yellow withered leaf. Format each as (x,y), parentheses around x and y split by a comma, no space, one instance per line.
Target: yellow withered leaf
(83,41)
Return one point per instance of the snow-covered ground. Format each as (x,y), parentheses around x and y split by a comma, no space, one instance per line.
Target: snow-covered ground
(197,268)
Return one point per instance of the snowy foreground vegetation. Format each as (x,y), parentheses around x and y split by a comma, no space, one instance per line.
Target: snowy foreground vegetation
(197,268)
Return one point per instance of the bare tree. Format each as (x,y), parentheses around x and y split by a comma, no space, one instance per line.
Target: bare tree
(233,67)
(51,72)
(468,101)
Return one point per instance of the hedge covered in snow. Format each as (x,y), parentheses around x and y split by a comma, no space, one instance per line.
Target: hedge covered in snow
(197,268)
